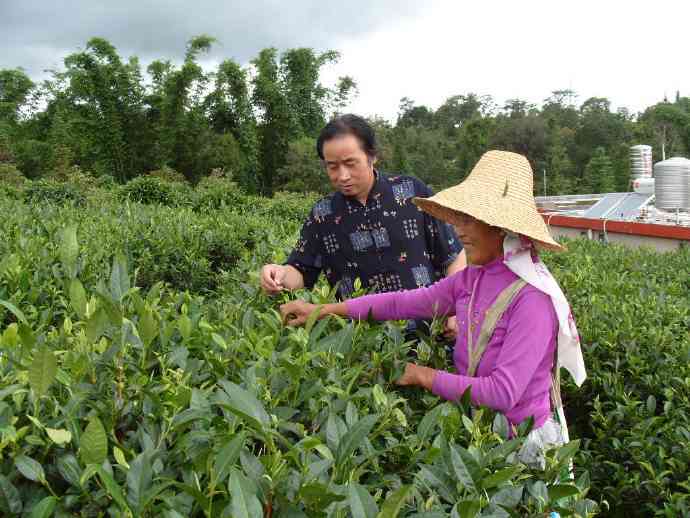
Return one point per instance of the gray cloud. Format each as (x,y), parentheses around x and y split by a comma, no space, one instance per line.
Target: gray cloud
(37,35)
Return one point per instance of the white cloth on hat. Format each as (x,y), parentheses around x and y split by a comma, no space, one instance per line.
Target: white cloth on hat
(517,252)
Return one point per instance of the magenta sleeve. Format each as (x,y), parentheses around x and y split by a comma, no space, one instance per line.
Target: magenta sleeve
(530,336)
(435,300)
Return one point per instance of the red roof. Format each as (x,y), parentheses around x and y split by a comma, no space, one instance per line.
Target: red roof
(620,227)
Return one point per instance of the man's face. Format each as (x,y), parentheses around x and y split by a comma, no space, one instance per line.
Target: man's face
(349,168)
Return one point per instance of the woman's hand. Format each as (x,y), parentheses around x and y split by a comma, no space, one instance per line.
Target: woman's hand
(450,331)
(417,375)
(296,312)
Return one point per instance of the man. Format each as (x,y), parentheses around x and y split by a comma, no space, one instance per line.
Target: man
(368,228)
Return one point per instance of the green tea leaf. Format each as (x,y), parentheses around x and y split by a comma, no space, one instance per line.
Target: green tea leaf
(29,468)
(500,477)
(362,504)
(501,426)
(562,491)
(120,457)
(429,422)
(467,509)
(113,489)
(77,297)
(42,371)
(245,503)
(394,503)
(119,278)
(227,457)
(96,325)
(94,443)
(568,451)
(14,310)
(44,508)
(69,250)
(539,491)
(318,495)
(69,468)
(508,497)
(244,404)
(461,470)
(139,479)
(10,495)
(60,436)
(184,324)
(148,330)
(354,437)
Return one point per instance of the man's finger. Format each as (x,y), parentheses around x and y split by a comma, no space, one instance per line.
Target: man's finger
(295,321)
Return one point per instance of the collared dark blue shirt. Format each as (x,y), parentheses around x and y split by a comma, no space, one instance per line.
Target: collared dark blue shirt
(388,242)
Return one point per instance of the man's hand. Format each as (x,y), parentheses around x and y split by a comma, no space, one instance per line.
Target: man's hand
(272,277)
(417,375)
(450,330)
(296,312)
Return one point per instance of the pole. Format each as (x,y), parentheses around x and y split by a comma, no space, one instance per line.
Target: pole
(544,182)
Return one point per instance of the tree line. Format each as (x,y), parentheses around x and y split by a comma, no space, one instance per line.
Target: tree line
(103,116)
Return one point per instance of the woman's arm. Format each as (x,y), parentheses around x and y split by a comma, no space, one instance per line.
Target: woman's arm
(431,301)
(531,335)
(435,300)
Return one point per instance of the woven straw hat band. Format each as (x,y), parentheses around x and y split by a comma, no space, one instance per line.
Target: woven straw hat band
(498,191)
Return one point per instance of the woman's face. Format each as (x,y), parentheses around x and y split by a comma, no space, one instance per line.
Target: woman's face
(483,243)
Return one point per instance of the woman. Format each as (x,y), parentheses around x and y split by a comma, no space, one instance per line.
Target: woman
(514,323)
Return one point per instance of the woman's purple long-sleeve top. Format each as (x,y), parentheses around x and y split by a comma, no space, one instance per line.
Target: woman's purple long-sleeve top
(514,374)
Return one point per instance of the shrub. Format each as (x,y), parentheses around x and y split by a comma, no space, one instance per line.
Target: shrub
(149,190)
(168,174)
(10,175)
(41,191)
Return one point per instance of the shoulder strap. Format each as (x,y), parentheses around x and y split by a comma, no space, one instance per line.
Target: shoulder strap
(493,315)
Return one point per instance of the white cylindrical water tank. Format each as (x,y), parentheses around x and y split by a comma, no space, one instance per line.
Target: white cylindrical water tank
(640,161)
(643,185)
(672,184)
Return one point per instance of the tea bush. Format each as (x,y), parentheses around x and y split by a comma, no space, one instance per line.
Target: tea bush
(144,374)
(50,191)
(633,312)
(158,403)
(149,190)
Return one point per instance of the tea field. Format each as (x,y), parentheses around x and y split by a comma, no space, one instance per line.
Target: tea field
(143,373)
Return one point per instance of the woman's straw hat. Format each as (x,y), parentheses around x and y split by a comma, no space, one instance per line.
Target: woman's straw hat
(498,191)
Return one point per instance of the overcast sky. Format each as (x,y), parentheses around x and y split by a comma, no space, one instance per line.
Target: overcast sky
(632,52)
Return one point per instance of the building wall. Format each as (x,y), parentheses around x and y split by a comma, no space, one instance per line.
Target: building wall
(631,240)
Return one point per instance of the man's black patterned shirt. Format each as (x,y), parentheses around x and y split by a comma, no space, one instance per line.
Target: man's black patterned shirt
(388,243)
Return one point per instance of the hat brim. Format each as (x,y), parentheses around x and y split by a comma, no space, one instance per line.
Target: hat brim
(520,218)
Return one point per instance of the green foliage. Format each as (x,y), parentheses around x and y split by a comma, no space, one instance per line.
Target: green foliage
(11,176)
(50,191)
(149,190)
(156,401)
(303,171)
(633,313)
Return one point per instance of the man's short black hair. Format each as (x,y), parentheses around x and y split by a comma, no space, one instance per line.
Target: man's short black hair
(349,124)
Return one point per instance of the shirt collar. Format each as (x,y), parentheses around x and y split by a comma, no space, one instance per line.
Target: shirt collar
(494,267)
(376,189)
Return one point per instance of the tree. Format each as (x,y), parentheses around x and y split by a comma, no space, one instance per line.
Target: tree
(410,115)
(559,167)
(292,104)
(15,87)
(303,171)
(599,175)
(230,111)
(107,96)
(458,109)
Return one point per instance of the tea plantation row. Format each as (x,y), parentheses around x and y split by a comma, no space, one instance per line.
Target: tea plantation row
(142,373)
